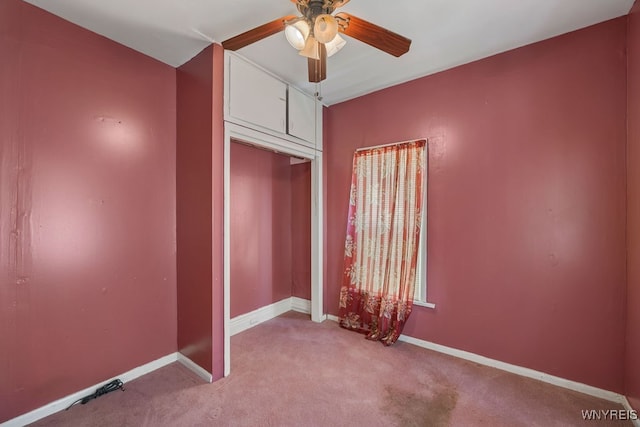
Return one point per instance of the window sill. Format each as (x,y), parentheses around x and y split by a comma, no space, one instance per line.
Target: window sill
(424,304)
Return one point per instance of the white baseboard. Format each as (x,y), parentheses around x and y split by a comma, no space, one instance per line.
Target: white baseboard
(518,370)
(63,403)
(333,318)
(237,324)
(300,305)
(268,312)
(263,314)
(195,368)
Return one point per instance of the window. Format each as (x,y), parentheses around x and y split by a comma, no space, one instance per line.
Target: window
(420,292)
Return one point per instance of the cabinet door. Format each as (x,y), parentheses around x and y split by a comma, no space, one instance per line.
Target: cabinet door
(256,97)
(302,115)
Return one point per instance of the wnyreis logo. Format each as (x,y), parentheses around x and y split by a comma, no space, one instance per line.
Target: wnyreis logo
(608,414)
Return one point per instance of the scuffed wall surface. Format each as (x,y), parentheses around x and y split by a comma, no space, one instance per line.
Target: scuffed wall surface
(87,209)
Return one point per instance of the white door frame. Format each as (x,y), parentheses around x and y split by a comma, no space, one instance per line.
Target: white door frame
(263,140)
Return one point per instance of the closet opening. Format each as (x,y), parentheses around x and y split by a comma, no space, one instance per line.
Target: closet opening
(272,227)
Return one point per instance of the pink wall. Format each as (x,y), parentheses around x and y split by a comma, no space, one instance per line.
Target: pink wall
(526,232)
(193,214)
(87,209)
(260,228)
(633,212)
(270,229)
(87,206)
(200,198)
(217,217)
(301,230)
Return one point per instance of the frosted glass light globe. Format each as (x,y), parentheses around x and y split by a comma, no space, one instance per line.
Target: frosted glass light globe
(297,34)
(325,28)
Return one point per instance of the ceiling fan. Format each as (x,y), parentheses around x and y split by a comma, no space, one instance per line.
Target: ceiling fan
(316,34)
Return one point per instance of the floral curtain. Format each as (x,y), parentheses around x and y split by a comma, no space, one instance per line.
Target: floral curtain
(381,247)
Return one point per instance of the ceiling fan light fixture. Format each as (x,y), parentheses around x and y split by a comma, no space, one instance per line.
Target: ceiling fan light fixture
(311,49)
(325,28)
(335,45)
(297,33)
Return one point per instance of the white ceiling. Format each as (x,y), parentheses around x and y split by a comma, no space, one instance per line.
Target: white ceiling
(445,33)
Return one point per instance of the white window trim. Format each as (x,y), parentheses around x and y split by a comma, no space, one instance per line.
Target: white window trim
(424,304)
(422,251)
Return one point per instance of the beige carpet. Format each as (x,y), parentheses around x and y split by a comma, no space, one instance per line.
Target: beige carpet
(290,371)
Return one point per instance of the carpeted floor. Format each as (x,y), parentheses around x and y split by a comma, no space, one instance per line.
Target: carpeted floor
(290,371)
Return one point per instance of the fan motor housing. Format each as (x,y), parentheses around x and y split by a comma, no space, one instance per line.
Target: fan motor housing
(314,8)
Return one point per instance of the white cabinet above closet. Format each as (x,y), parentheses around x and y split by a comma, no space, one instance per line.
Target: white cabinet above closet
(256,97)
(301,110)
(259,100)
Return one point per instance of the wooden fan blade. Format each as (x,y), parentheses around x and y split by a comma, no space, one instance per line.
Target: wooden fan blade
(257,34)
(373,35)
(318,67)
(339,3)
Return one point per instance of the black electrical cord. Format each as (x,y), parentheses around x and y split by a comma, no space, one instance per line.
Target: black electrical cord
(107,388)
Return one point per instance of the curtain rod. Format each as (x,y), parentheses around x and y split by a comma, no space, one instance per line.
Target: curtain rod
(426,140)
